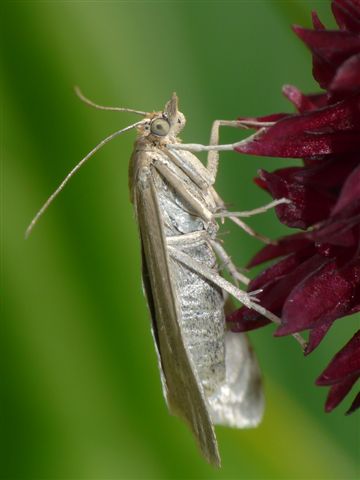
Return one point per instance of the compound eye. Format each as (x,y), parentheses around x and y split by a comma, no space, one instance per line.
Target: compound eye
(160,127)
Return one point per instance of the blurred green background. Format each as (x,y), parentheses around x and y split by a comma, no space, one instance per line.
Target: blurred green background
(80,386)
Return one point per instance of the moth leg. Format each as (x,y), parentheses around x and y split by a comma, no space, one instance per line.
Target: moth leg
(246,298)
(255,211)
(183,190)
(244,226)
(228,263)
(214,147)
(198,147)
(213,155)
(187,238)
(234,217)
(198,173)
(202,235)
(212,166)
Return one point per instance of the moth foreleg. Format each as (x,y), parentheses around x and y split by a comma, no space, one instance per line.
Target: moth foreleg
(198,147)
(196,171)
(213,155)
(183,190)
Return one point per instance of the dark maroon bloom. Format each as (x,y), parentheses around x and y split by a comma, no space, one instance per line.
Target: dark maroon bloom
(315,279)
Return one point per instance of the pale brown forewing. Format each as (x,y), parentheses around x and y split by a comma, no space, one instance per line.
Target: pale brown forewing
(181,384)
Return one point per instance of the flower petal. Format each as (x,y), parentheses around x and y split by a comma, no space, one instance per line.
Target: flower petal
(355,405)
(244,320)
(316,335)
(304,103)
(345,363)
(317,24)
(276,284)
(284,246)
(330,48)
(286,266)
(350,192)
(321,297)
(338,392)
(341,231)
(347,77)
(307,206)
(255,122)
(329,173)
(330,130)
(347,14)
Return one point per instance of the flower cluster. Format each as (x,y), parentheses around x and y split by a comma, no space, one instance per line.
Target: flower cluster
(317,279)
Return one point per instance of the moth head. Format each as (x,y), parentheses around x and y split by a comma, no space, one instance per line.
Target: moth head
(164,125)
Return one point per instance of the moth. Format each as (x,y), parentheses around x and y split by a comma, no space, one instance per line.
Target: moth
(209,375)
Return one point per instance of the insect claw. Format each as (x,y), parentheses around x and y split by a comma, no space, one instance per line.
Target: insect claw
(255,292)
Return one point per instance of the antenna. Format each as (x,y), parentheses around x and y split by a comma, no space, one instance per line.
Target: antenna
(73,171)
(102,107)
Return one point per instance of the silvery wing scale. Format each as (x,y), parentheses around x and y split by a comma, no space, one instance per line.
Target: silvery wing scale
(209,376)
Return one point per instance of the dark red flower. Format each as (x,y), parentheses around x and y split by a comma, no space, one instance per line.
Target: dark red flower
(317,278)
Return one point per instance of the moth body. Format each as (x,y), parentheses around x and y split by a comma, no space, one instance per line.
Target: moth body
(175,205)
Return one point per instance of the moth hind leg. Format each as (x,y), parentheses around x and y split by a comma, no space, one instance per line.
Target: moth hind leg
(228,264)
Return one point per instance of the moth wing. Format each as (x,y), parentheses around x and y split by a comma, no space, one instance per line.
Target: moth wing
(150,301)
(239,402)
(181,385)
